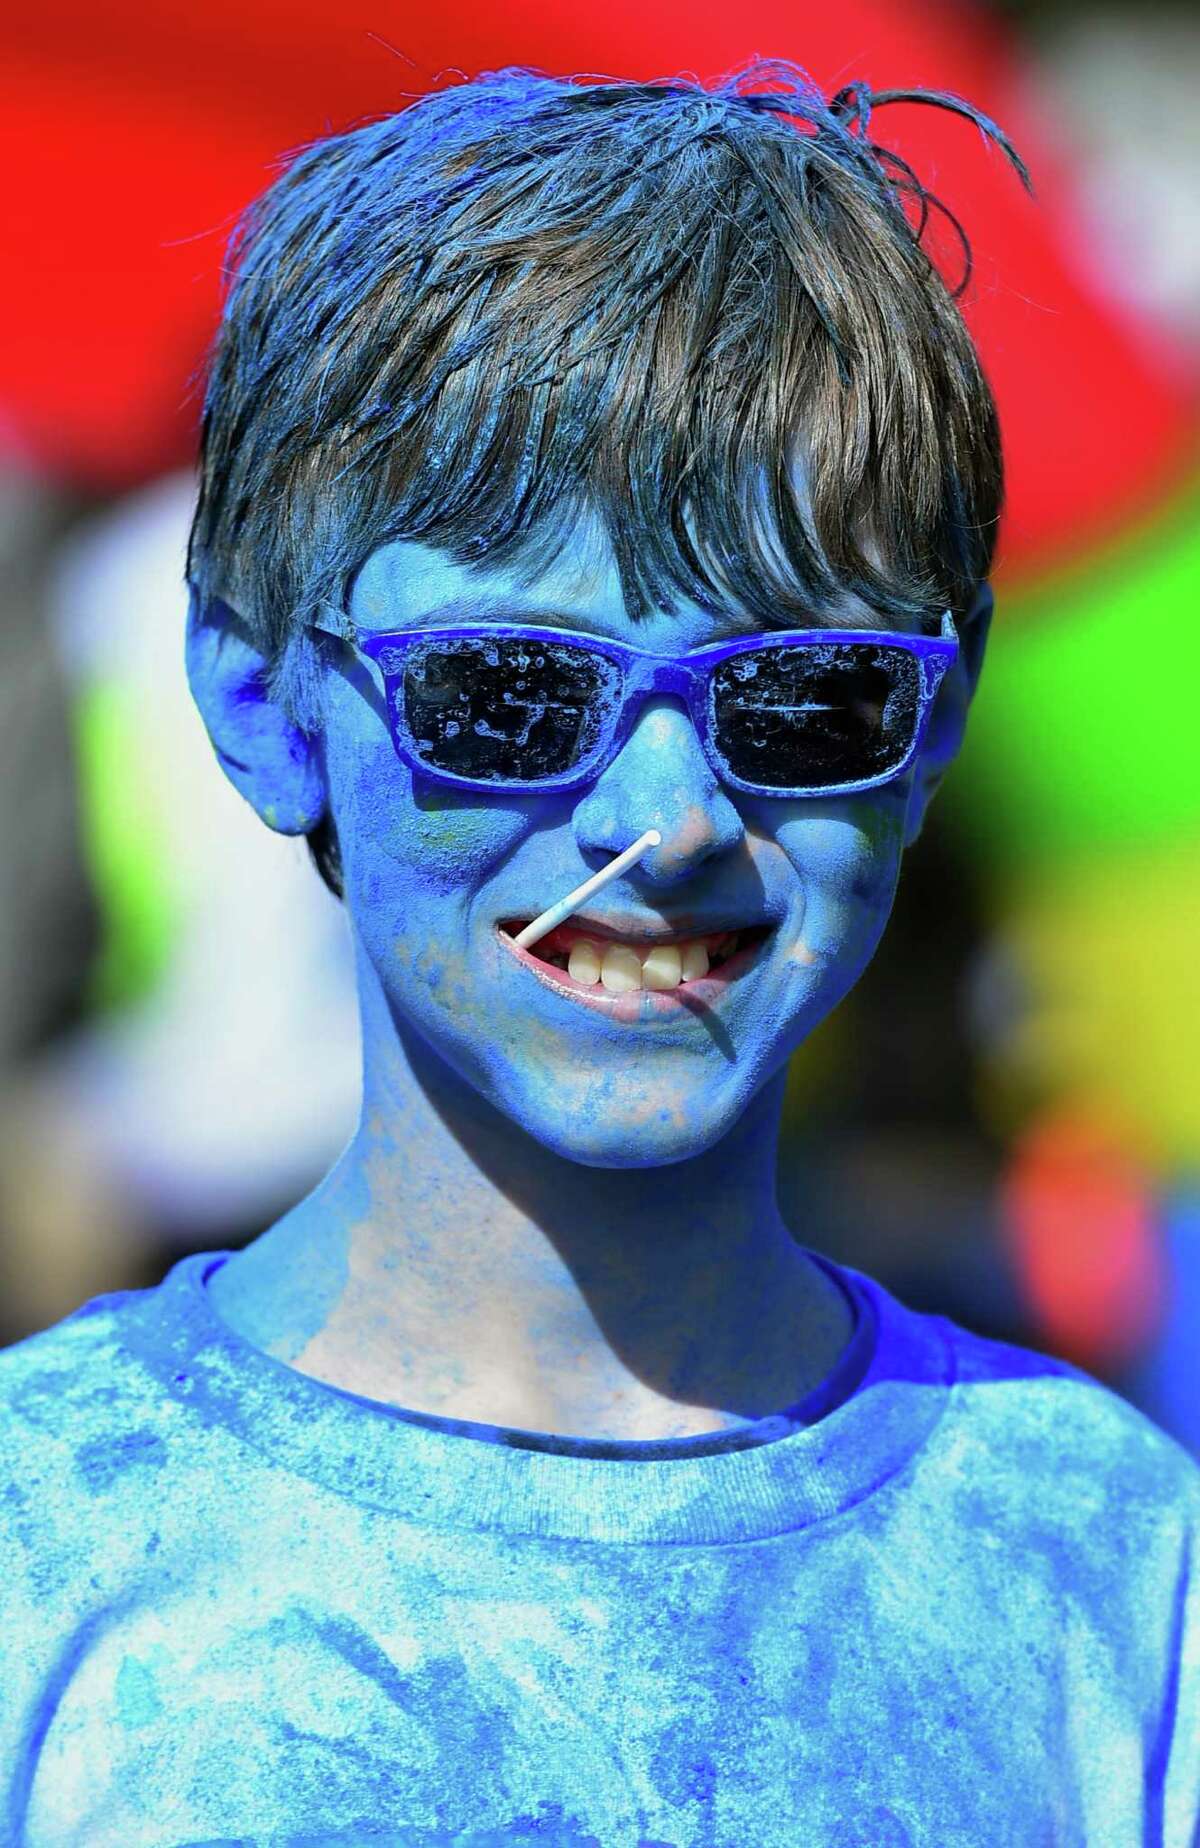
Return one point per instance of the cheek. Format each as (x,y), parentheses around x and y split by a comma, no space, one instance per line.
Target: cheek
(415,858)
(848,861)
(405,840)
(879,835)
(448,845)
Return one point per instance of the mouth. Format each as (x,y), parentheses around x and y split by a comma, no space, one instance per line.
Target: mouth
(630,972)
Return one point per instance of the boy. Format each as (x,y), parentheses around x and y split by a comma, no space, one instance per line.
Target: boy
(579,461)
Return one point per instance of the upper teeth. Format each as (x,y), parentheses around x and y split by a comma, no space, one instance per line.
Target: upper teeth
(620,967)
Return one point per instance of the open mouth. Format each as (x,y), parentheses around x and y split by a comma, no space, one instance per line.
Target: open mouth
(589,960)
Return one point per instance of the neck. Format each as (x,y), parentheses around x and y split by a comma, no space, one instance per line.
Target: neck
(451,1263)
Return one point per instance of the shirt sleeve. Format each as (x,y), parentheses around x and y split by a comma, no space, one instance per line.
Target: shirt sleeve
(1181,1714)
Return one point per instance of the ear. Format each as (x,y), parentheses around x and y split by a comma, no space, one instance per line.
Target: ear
(948,720)
(275,765)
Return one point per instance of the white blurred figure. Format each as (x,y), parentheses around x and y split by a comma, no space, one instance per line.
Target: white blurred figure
(1121,86)
(233,1084)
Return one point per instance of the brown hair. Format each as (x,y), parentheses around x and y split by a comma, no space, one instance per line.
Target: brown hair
(707,314)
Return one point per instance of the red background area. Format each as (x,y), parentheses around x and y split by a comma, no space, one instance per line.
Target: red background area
(140,134)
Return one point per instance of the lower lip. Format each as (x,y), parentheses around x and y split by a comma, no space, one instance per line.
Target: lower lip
(643,1004)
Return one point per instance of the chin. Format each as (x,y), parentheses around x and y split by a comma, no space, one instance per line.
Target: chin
(649,1127)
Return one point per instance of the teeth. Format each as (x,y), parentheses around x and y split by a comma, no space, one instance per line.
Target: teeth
(694,960)
(583,964)
(662,967)
(621,970)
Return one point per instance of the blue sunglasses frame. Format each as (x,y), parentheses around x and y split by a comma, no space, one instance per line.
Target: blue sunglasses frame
(643,675)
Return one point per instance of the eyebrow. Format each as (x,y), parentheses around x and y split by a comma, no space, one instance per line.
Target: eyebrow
(499,608)
(493,607)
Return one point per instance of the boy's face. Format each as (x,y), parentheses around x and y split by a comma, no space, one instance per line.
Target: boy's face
(431,872)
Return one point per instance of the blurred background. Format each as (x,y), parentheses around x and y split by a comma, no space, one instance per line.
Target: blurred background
(1002,1122)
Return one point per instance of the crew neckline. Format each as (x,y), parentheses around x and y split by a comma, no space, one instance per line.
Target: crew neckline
(862,1423)
(837,1385)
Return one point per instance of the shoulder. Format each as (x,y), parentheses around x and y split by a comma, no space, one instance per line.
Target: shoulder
(79,1419)
(1081,1519)
(67,1381)
(1054,1448)
(83,1442)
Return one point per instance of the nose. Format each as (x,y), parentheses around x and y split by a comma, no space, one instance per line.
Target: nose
(660,778)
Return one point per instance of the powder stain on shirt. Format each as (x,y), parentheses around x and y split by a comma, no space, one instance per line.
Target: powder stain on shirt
(955,1603)
(138,1700)
(101,1460)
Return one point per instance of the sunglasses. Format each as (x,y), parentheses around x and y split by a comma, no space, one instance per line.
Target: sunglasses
(799,712)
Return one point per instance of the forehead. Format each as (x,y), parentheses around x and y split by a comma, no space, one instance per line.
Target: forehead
(406,583)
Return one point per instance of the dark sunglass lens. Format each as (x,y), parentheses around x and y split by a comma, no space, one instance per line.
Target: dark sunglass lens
(804,717)
(504,711)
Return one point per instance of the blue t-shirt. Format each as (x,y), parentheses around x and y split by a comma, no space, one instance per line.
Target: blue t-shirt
(952,1598)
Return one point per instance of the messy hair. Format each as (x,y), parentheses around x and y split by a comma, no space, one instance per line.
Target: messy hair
(707,315)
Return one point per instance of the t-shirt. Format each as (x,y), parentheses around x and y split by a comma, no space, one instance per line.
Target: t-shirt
(952,1598)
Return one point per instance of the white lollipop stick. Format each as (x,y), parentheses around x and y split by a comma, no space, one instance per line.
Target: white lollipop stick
(540,927)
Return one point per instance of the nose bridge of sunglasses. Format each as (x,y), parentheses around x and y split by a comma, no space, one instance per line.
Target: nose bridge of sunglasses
(652,679)
(670,677)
